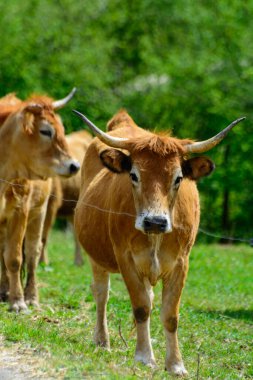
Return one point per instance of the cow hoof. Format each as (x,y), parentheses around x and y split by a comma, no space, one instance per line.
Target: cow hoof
(103,344)
(18,306)
(101,339)
(147,360)
(32,302)
(177,369)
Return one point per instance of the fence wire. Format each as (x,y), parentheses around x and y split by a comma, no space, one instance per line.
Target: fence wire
(229,238)
(201,230)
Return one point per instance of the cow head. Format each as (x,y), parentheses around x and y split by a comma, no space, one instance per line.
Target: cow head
(157,166)
(38,139)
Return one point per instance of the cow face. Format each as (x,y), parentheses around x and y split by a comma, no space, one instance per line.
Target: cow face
(40,143)
(155,181)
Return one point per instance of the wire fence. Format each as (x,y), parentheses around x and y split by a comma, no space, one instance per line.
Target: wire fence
(227,238)
(109,211)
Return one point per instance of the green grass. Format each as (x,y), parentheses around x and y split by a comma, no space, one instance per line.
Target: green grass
(216,319)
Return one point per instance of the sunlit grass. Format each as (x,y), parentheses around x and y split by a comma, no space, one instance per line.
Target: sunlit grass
(216,318)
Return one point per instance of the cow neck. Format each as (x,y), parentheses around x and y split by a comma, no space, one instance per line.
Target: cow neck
(11,166)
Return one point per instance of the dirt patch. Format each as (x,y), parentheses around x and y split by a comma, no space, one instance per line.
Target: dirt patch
(21,363)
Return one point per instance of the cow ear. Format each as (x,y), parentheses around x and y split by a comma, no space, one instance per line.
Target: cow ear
(28,123)
(34,108)
(116,161)
(197,167)
(29,113)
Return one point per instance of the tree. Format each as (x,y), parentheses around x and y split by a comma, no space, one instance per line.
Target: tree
(181,65)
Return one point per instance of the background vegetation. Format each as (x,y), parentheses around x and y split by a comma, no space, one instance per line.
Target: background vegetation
(183,65)
(215,320)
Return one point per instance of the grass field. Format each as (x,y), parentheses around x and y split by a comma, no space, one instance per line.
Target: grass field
(216,319)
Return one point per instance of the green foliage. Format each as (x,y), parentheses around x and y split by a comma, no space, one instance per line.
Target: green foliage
(173,64)
(215,319)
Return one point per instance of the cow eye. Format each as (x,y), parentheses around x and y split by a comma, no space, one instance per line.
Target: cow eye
(46,132)
(133,177)
(178,180)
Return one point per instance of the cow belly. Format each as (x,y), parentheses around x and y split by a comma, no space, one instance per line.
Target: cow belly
(92,231)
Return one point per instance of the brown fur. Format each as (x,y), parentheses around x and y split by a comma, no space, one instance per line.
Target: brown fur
(64,190)
(161,145)
(120,120)
(113,207)
(29,157)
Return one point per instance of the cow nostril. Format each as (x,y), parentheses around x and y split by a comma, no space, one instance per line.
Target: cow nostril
(155,224)
(147,223)
(163,222)
(160,222)
(74,167)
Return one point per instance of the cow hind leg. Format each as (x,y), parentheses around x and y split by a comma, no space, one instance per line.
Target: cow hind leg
(49,219)
(100,290)
(78,258)
(45,233)
(172,289)
(32,252)
(4,282)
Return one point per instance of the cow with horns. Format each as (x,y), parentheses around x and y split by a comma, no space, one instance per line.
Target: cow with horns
(141,206)
(34,148)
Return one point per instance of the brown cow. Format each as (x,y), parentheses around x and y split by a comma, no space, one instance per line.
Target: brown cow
(33,145)
(141,206)
(65,194)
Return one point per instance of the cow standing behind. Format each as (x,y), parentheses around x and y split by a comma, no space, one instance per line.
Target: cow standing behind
(65,193)
(141,206)
(33,145)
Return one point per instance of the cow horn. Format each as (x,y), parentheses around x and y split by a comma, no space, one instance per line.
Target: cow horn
(115,142)
(57,104)
(204,146)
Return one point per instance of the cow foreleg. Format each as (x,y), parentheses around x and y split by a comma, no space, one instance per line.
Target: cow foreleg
(100,290)
(172,289)
(13,258)
(33,245)
(141,295)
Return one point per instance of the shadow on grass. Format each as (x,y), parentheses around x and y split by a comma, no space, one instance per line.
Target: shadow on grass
(246,315)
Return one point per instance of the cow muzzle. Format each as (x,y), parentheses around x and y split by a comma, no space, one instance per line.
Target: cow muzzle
(67,168)
(156,225)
